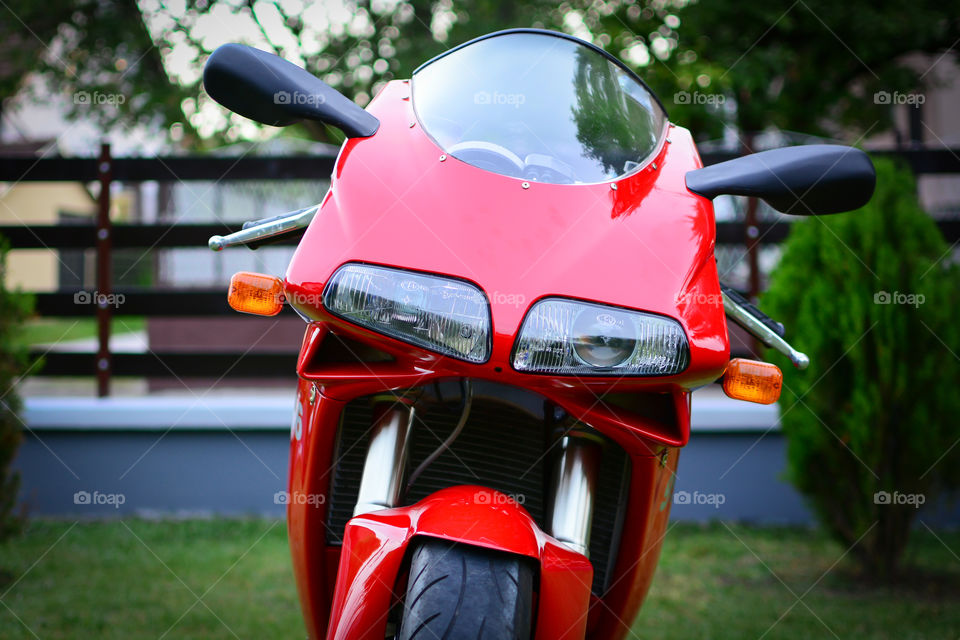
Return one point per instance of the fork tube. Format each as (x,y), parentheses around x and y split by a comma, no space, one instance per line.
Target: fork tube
(382,481)
(574,486)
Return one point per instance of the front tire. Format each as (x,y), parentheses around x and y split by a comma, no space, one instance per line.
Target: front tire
(459,592)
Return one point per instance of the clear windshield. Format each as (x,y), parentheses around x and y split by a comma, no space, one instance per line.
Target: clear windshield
(538,107)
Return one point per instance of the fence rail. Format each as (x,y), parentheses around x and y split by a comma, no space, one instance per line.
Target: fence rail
(176,365)
(125,236)
(107,237)
(171,168)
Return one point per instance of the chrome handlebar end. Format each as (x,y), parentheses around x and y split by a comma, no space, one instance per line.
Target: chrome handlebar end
(266,230)
(763,333)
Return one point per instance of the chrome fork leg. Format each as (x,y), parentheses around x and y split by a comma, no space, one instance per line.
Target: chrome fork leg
(574,486)
(381,484)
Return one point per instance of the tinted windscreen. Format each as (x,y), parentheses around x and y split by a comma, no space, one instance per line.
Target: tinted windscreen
(538,107)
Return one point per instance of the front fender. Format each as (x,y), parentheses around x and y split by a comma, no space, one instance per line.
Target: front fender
(374,546)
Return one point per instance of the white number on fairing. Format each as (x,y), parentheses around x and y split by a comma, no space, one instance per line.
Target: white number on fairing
(296,429)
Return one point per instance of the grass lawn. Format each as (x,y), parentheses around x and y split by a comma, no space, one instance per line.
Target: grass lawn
(51,330)
(232,578)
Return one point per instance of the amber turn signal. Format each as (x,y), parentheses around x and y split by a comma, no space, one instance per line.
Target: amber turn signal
(753,381)
(256,293)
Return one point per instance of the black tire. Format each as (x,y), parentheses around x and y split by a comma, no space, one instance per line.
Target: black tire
(459,592)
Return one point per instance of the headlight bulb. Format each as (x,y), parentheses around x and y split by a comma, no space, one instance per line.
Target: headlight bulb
(602,338)
(571,337)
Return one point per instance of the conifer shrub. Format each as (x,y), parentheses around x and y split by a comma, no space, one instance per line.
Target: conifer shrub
(15,307)
(872,426)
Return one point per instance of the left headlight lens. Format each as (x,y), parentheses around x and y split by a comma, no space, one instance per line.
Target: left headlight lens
(441,314)
(579,338)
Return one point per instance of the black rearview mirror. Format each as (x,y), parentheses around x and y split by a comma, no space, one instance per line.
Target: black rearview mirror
(807,180)
(270,90)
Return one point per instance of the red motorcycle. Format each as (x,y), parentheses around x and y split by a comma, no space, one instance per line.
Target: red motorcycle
(510,292)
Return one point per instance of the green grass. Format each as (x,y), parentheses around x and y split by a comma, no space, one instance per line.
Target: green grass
(105,580)
(51,330)
(743,582)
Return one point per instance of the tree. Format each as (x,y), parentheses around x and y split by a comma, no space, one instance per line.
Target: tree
(154,59)
(814,66)
(95,53)
(811,66)
(870,425)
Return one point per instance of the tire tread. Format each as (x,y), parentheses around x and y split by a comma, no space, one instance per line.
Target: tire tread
(474,601)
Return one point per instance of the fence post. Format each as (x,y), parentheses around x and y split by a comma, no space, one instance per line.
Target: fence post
(104,265)
(752,242)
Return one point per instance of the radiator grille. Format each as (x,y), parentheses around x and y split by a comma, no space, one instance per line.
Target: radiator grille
(501,447)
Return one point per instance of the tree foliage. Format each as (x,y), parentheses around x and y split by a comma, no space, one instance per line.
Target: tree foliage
(872,421)
(811,66)
(96,54)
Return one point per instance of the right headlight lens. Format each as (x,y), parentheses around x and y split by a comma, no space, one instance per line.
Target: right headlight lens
(579,338)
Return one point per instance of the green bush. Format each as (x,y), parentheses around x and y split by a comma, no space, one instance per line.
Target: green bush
(15,307)
(871,297)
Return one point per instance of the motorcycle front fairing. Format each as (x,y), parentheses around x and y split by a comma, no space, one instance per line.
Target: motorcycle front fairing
(398,200)
(636,239)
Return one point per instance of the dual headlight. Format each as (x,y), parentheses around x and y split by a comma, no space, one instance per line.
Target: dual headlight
(558,336)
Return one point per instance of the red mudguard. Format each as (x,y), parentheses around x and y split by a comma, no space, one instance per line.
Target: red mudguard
(374,546)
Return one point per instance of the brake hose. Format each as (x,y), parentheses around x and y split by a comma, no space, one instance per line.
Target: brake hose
(466,390)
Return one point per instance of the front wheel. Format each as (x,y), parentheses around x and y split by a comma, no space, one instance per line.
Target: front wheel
(459,592)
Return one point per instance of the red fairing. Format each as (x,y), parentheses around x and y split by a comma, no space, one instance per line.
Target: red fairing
(397,200)
(312,440)
(374,546)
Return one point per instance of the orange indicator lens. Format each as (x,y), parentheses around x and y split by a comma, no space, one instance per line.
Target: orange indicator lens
(256,293)
(752,381)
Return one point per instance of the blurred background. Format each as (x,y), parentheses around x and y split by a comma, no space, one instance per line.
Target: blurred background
(124,371)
